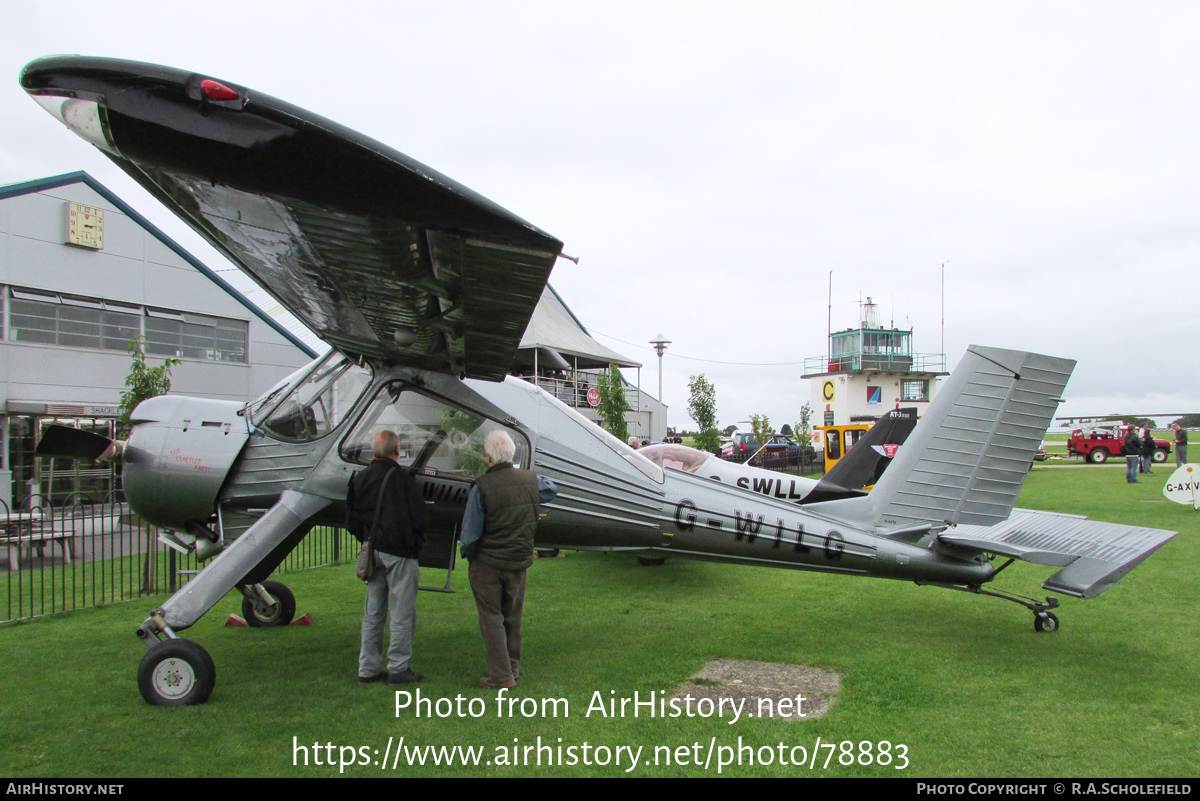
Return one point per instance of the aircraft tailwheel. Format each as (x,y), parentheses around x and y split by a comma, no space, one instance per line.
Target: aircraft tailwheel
(264,615)
(651,561)
(176,673)
(1045,621)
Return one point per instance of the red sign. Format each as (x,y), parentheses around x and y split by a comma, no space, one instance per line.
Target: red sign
(593,397)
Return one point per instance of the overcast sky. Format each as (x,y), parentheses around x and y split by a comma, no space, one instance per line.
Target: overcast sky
(712,164)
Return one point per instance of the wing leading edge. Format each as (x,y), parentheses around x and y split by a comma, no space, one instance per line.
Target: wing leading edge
(378,254)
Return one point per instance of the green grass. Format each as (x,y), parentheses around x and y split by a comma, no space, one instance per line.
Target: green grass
(963,681)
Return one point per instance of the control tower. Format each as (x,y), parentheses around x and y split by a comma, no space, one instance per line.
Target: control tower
(869,370)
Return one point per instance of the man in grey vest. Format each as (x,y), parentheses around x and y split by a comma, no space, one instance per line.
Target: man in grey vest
(497,539)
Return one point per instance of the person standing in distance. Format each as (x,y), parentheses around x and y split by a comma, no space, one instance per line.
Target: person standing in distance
(1132,450)
(399,537)
(1148,449)
(497,539)
(1180,445)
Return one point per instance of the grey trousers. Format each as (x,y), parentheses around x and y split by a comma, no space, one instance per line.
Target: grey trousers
(500,599)
(391,591)
(1180,455)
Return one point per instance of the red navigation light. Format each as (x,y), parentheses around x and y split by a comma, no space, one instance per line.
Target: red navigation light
(216,91)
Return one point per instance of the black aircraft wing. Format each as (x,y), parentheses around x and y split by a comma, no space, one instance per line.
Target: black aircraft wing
(378,254)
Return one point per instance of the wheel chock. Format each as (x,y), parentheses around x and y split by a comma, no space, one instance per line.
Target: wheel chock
(303,621)
(235,621)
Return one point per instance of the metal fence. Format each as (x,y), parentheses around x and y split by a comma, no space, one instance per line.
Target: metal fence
(81,553)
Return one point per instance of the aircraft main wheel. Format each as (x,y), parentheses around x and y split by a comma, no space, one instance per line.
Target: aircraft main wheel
(1098,456)
(651,561)
(1046,621)
(1159,456)
(262,615)
(176,673)
(548,553)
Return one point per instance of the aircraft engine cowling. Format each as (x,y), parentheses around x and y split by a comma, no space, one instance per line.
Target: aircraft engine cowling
(178,455)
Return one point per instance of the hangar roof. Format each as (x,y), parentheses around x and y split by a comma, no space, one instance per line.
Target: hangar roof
(555,330)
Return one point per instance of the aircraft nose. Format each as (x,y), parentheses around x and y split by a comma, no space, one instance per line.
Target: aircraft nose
(178,455)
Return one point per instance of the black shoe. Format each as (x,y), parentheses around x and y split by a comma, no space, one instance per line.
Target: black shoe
(409,676)
(381,676)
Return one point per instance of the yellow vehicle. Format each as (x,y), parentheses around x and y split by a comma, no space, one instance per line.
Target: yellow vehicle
(839,439)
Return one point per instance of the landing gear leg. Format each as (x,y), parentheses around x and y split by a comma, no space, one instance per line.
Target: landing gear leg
(1043,619)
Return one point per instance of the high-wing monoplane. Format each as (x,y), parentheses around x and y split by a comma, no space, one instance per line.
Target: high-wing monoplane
(423,288)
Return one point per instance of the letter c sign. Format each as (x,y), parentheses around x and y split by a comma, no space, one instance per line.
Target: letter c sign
(827,391)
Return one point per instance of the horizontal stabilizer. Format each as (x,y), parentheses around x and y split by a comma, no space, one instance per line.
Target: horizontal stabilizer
(1093,555)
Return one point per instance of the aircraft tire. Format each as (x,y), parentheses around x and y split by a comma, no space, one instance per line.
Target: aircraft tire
(548,553)
(261,616)
(1098,456)
(176,673)
(651,561)
(1045,622)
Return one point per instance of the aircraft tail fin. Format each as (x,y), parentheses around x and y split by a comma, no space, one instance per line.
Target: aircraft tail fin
(968,457)
(865,462)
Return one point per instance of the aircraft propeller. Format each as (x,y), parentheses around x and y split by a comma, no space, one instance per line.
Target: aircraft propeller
(74,443)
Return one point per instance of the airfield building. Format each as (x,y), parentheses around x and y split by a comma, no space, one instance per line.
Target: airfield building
(82,274)
(870,370)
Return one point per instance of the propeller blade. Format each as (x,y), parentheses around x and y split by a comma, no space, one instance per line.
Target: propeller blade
(75,444)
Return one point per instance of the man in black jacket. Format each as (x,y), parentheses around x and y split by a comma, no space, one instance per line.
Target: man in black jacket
(387,492)
(1132,450)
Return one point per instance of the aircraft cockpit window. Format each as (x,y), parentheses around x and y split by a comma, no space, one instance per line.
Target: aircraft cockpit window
(679,457)
(319,402)
(436,437)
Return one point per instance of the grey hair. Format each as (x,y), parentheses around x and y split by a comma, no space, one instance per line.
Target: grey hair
(499,447)
(385,444)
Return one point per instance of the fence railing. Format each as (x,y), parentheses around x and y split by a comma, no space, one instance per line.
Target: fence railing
(574,391)
(81,553)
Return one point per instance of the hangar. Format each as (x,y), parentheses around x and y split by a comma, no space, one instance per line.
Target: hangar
(81,274)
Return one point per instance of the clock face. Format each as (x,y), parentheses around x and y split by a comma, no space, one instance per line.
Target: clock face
(85,226)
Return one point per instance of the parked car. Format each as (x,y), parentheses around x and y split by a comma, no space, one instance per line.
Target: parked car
(779,451)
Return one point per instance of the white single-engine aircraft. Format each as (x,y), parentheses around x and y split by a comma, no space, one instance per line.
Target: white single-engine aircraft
(424,289)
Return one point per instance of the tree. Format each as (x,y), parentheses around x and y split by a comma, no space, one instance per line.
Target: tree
(613,403)
(702,407)
(786,430)
(761,426)
(1188,421)
(728,430)
(143,382)
(804,427)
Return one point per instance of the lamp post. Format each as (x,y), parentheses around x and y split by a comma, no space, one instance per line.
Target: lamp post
(660,345)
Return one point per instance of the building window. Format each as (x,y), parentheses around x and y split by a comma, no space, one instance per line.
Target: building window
(914,389)
(195,336)
(78,322)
